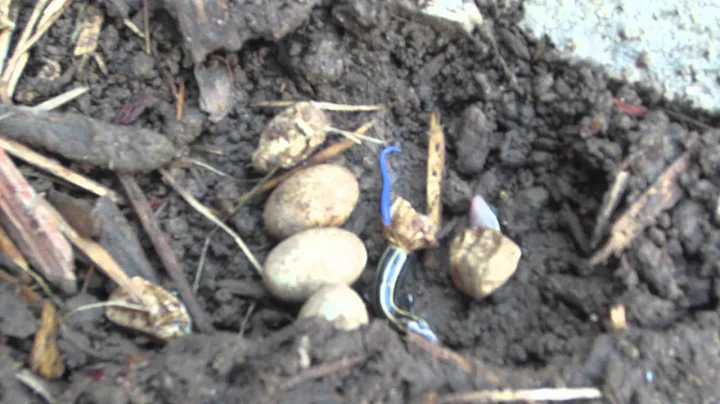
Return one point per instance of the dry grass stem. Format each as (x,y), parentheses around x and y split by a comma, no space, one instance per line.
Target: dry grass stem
(210,216)
(146,22)
(29,37)
(433,189)
(100,257)
(7,33)
(505,396)
(319,158)
(36,384)
(111,303)
(134,28)
(61,99)
(28,155)
(323,105)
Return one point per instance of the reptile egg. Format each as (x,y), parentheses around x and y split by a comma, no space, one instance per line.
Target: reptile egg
(482,260)
(339,304)
(320,196)
(305,262)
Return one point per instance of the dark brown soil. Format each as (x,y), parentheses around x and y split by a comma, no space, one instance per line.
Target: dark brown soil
(540,139)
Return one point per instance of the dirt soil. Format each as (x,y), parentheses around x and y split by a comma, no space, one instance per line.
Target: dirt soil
(540,139)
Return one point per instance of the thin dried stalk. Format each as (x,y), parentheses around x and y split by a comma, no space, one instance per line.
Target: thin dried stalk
(25,153)
(664,193)
(323,105)
(100,257)
(504,396)
(33,228)
(17,62)
(6,35)
(435,173)
(61,99)
(210,216)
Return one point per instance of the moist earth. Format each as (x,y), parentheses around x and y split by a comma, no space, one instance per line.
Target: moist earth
(539,138)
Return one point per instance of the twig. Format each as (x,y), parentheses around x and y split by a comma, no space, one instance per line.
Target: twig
(433,189)
(210,216)
(440,352)
(37,384)
(503,396)
(323,105)
(20,56)
(663,194)
(6,35)
(25,153)
(61,99)
(319,158)
(33,229)
(162,246)
(322,370)
(99,256)
(610,202)
(180,101)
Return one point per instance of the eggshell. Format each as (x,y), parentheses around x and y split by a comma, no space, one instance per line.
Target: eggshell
(339,304)
(321,196)
(302,264)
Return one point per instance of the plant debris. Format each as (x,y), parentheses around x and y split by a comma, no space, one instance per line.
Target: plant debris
(87,140)
(45,358)
(33,228)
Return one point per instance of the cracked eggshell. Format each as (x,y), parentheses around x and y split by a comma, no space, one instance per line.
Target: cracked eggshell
(339,304)
(324,195)
(482,260)
(301,265)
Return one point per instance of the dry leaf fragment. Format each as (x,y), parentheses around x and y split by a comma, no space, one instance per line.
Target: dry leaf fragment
(45,358)
(409,229)
(170,321)
(663,194)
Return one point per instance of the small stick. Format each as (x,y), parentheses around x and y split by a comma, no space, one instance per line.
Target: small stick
(663,194)
(52,166)
(36,384)
(8,247)
(100,257)
(322,370)
(33,229)
(17,62)
(162,246)
(435,173)
(180,101)
(504,396)
(146,22)
(11,265)
(573,223)
(131,25)
(61,99)
(610,202)
(440,352)
(210,216)
(323,105)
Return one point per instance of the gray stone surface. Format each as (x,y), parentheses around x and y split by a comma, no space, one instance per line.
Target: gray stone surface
(668,44)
